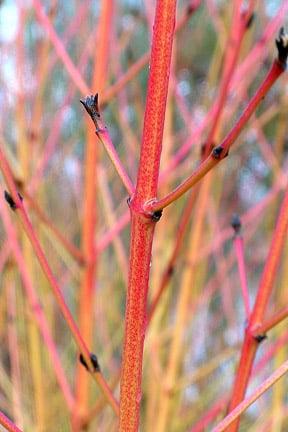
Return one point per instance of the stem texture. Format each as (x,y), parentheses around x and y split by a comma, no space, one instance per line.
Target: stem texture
(143,223)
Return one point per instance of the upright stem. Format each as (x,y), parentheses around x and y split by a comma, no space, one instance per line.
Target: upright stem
(87,291)
(143,223)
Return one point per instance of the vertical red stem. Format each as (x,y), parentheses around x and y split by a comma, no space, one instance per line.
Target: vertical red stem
(143,224)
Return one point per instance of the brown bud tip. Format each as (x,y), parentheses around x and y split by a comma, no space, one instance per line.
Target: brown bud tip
(282,46)
(236,223)
(91,104)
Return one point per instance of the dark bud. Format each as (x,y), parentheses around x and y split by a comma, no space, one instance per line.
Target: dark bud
(282,46)
(250,20)
(190,9)
(91,104)
(32,135)
(259,338)
(156,215)
(236,223)
(19,183)
(170,271)
(94,360)
(10,200)
(217,152)
(129,201)
(129,54)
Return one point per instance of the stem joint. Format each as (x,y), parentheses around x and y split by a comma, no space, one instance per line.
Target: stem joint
(12,204)
(94,362)
(218,153)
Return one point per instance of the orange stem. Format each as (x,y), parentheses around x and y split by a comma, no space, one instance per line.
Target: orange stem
(87,291)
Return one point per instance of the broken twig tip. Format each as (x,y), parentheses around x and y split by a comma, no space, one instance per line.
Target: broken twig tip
(282,46)
(91,104)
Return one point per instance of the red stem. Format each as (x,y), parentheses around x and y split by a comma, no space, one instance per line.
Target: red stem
(122,222)
(142,229)
(60,48)
(262,388)
(168,272)
(276,70)
(251,341)
(136,67)
(8,424)
(105,139)
(35,306)
(27,226)
(68,245)
(235,38)
(210,415)
(7,174)
(273,321)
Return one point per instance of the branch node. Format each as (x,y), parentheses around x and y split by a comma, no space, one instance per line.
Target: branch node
(100,130)
(236,223)
(91,104)
(155,216)
(217,152)
(94,361)
(260,337)
(191,8)
(11,201)
(204,149)
(250,20)
(282,46)
(170,270)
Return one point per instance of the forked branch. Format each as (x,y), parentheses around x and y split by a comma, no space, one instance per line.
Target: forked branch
(222,150)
